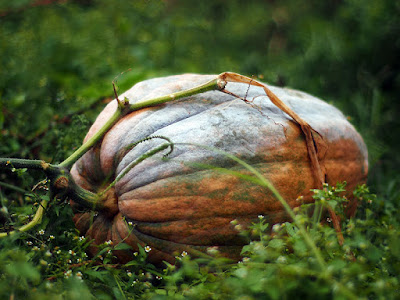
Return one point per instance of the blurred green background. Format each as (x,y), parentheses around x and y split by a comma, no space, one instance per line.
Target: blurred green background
(58,59)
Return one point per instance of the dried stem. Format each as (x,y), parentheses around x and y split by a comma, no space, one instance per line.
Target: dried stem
(312,143)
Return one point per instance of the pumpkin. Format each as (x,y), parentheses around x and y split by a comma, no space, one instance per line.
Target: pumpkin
(173,205)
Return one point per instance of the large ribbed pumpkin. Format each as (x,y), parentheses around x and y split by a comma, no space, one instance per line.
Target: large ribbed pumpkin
(173,206)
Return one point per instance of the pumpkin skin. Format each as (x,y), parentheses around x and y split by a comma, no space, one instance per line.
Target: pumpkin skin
(174,206)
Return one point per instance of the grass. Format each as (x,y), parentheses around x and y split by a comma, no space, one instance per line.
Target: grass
(51,260)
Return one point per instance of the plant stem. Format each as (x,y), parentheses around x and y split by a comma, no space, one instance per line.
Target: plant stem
(214,84)
(13,187)
(67,163)
(18,163)
(317,214)
(84,197)
(37,219)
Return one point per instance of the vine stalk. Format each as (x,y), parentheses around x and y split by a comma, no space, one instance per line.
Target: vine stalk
(37,219)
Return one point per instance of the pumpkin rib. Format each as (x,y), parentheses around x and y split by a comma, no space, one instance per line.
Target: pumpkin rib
(273,155)
(178,217)
(206,231)
(192,217)
(167,245)
(123,152)
(219,238)
(151,114)
(182,175)
(130,238)
(139,134)
(82,221)
(231,217)
(87,170)
(116,237)
(277,159)
(158,245)
(173,198)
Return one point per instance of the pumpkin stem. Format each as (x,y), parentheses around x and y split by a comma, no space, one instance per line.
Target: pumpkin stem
(114,84)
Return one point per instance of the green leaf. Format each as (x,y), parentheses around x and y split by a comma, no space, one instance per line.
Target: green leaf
(394,245)
(24,270)
(374,253)
(276,243)
(291,229)
(122,246)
